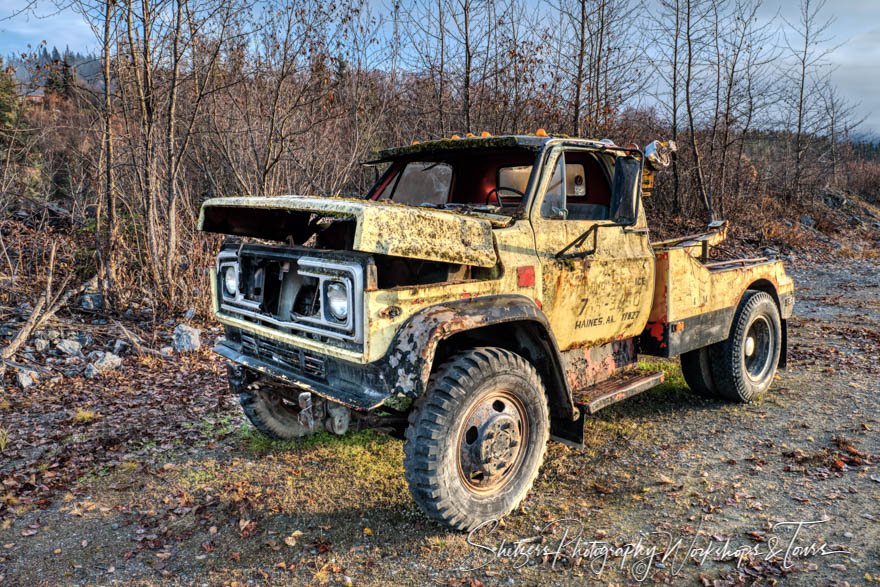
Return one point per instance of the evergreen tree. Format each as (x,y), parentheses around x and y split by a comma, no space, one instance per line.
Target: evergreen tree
(61,79)
(9,100)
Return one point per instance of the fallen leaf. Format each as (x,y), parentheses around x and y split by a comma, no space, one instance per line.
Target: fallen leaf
(28,532)
(368,532)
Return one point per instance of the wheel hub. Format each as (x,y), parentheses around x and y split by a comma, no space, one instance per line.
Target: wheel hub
(496,444)
(491,442)
(757,349)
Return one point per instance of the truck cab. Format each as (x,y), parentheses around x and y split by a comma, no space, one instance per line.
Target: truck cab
(487,294)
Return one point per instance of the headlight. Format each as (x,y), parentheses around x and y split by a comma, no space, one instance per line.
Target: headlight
(230,280)
(337,300)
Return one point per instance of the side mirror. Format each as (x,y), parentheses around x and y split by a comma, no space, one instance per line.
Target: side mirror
(625,191)
(658,154)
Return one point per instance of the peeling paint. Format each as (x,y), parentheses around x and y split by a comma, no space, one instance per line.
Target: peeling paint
(382,227)
(591,305)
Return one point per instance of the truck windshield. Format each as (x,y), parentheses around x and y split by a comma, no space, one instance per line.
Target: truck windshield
(421,182)
(492,179)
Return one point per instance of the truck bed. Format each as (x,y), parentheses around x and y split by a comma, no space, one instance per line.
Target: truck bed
(695,300)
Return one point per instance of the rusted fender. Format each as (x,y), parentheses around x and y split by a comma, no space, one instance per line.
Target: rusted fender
(412,351)
(382,227)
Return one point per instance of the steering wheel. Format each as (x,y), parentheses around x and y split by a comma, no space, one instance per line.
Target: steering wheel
(497,197)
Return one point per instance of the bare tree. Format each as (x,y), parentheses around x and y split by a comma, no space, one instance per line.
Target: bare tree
(692,20)
(807,45)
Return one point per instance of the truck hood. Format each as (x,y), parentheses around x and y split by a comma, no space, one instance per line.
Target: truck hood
(382,227)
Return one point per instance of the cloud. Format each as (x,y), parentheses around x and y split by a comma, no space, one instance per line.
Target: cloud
(59,28)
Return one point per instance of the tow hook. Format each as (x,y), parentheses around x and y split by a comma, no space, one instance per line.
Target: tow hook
(306,417)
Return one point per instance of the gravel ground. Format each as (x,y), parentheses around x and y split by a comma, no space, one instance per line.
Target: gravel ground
(662,469)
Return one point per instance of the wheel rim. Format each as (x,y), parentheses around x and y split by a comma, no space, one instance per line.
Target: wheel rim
(757,349)
(492,442)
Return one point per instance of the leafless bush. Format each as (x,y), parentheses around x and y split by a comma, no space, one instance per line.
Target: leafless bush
(216,97)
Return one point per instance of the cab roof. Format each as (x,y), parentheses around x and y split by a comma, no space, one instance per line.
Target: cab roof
(533,142)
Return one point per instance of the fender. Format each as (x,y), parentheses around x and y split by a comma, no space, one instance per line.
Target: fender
(411,358)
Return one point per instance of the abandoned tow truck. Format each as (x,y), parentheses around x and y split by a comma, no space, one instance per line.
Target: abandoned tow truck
(488,294)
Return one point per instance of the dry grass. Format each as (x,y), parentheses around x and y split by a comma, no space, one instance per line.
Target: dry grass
(84,416)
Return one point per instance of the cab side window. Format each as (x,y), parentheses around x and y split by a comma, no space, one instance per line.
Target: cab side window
(579,188)
(554,198)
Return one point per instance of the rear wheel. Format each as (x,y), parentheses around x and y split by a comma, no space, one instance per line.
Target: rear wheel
(697,370)
(477,438)
(743,366)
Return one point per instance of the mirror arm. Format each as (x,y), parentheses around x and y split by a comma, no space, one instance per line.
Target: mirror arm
(583,237)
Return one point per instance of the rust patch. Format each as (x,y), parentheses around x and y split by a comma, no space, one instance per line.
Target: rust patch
(585,367)
(655,330)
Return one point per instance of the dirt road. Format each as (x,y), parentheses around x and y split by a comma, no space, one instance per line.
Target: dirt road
(793,473)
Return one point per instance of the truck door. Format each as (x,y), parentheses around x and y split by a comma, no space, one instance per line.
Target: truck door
(601,288)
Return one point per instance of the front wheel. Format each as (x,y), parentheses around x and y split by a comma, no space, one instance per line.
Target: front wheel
(271,414)
(477,438)
(743,366)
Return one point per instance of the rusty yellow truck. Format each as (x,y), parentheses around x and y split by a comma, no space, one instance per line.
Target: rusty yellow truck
(488,294)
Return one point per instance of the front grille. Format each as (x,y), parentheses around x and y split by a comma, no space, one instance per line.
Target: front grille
(281,290)
(283,355)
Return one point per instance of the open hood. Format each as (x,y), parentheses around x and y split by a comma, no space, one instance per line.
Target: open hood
(382,227)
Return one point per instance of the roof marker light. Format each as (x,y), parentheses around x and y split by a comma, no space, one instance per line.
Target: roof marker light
(455,137)
(485,134)
(540,133)
(470,134)
(415,142)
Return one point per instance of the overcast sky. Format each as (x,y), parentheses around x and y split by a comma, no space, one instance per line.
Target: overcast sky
(856,27)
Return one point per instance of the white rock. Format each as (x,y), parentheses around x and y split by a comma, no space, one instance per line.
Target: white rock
(108,362)
(186,338)
(69,346)
(91,371)
(24,379)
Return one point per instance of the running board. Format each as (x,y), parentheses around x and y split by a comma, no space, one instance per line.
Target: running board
(612,391)
(601,395)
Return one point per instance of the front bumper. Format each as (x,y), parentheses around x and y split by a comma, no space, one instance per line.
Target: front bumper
(358,386)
